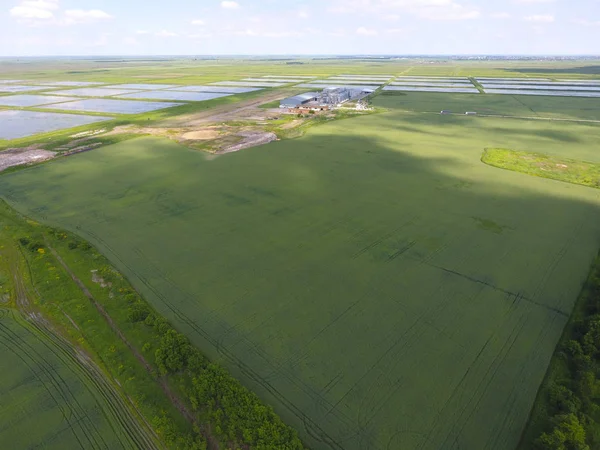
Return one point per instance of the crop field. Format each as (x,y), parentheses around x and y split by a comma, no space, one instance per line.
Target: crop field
(373,280)
(50,401)
(545,107)
(440,88)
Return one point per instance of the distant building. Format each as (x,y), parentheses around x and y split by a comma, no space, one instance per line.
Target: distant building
(330,97)
(299,100)
(471,113)
(445,111)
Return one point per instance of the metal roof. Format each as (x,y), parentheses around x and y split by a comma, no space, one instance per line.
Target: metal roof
(299,99)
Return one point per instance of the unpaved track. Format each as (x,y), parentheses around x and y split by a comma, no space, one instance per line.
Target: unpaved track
(140,432)
(17,156)
(175,400)
(225,112)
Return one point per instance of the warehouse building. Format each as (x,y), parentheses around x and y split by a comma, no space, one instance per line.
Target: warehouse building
(329,98)
(299,100)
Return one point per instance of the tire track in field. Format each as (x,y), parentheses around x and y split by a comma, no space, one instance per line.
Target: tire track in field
(116,409)
(10,338)
(312,428)
(455,391)
(60,383)
(86,368)
(316,396)
(516,295)
(556,261)
(488,377)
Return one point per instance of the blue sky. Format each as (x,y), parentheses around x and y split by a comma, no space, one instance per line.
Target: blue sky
(149,27)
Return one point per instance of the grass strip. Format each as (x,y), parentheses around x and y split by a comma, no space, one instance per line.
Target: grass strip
(545,166)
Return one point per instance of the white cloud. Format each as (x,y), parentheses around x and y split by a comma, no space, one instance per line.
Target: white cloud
(26,12)
(391,17)
(230,5)
(198,22)
(362,31)
(251,32)
(199,35)
(130,41)
(586,22)
(165,33)
(142,32)
(303,15)
(338,32)
(425,9)
(534,1)
(83,16)
(500,15)
(547,18)
(34,9)
(41,4)
(396,30)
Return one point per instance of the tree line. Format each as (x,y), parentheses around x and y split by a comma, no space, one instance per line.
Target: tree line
(572,391)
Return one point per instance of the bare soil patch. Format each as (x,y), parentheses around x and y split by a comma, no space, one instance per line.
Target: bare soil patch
(28,155)
(201,135)
(249,139)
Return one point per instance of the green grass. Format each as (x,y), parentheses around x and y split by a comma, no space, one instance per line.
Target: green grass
(373,280)
(270,105)
(537,107)
(541,165)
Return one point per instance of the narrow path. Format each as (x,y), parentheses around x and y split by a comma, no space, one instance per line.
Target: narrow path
(175,400)
(124,411)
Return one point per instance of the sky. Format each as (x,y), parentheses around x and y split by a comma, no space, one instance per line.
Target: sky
(280,27)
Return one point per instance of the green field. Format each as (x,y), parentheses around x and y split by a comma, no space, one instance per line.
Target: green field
(373,280)
(52,399)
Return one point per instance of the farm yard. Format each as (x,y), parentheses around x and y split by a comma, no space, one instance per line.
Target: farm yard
(372,280)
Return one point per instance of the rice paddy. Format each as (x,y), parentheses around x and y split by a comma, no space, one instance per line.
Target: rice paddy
(424,83)
(143,86)
(318,86)
(466,90)
(543,87)
(94,92)
(218,89)
(32,100)
(176,95)
(346,276)
(68,83)
(112,106)
(18,124)
(541,92)
(18,88)
(249,84)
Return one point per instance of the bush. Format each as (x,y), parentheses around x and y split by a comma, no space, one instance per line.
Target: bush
(137,312)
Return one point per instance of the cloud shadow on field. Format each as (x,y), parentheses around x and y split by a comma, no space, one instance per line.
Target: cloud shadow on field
(347,280)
